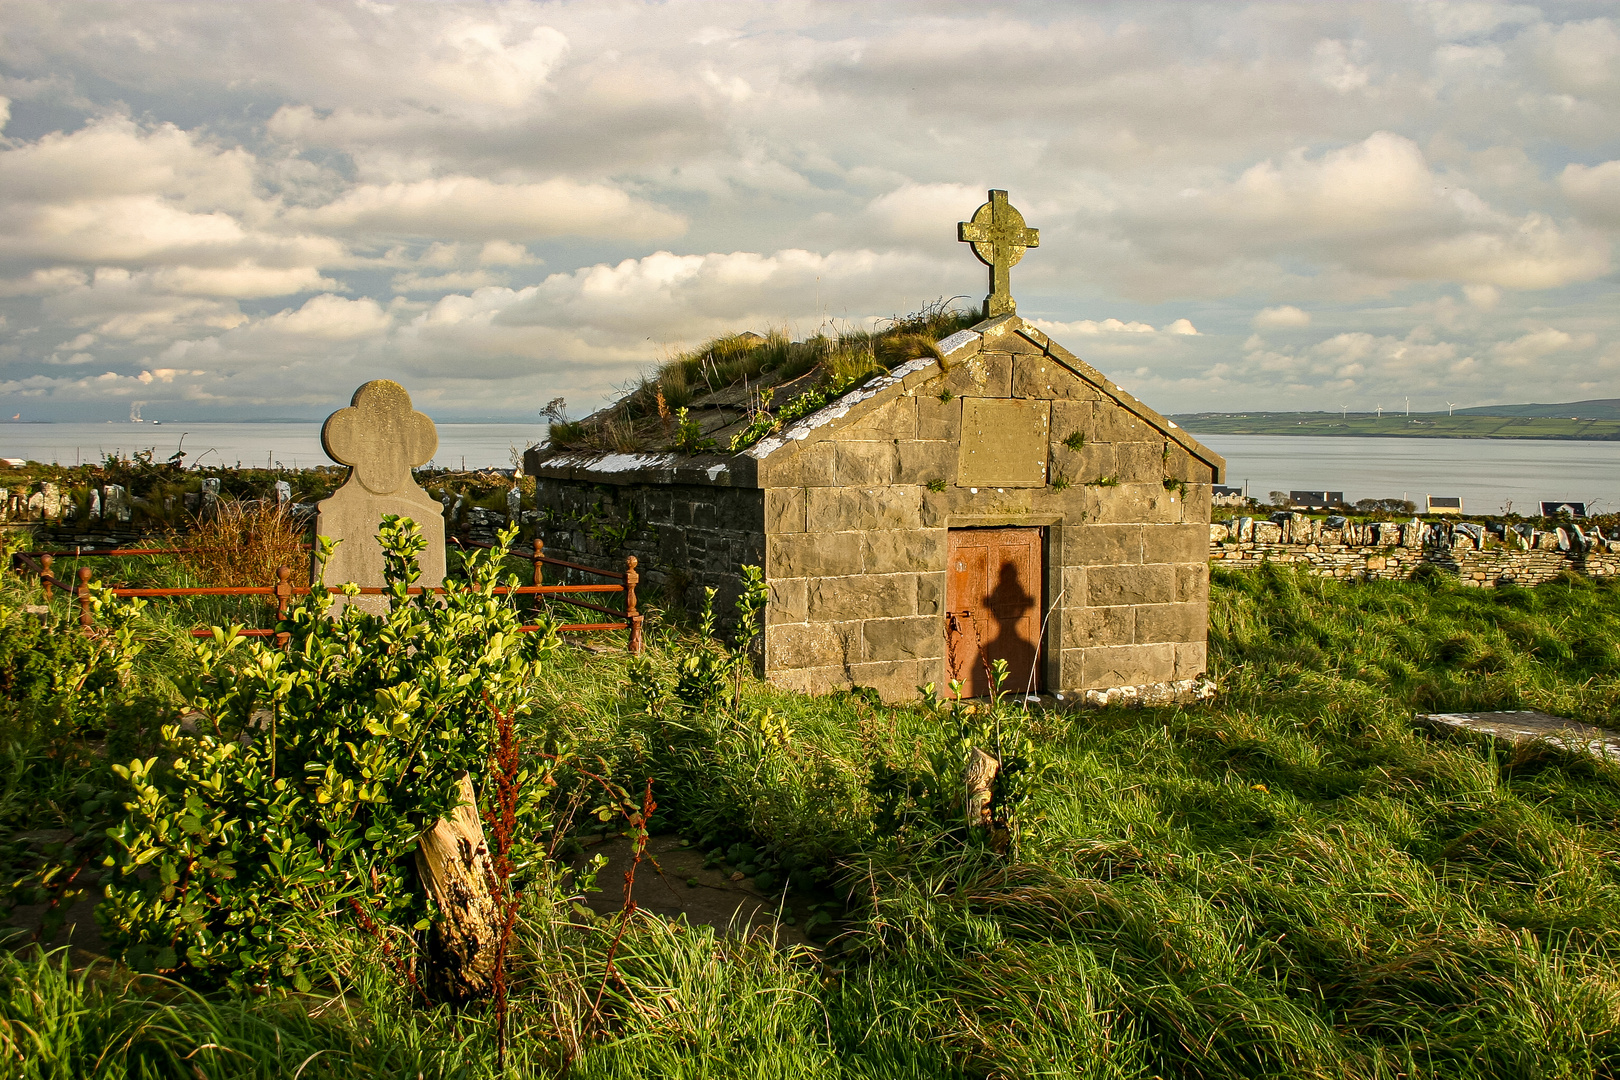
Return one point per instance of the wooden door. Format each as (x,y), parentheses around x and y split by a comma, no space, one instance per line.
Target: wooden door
(993,607)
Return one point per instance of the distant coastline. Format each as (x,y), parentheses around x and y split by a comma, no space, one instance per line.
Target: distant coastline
(1400,426)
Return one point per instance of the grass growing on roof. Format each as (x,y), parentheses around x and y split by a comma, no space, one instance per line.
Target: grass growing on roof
(1294,880)
(793,377)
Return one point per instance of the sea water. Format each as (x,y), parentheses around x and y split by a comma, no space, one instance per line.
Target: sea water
(1487,473)
(290,445)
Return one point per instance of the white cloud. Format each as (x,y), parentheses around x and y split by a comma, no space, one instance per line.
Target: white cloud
(467,207)
(1594,191)
(683,169)
(1284,316)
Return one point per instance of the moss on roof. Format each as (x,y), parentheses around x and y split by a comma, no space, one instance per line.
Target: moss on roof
(730,392)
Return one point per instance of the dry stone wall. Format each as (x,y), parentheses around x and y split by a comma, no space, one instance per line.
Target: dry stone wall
(685,537)
(1477,554)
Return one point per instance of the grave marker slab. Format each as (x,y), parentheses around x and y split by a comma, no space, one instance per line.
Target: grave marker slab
(381,438)
(1527,726)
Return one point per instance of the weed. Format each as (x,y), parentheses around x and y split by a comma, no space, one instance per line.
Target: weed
(1104,481)
(936,485)
(1075,440)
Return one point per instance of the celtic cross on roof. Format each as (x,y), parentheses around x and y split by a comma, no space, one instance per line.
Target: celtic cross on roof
(999,238)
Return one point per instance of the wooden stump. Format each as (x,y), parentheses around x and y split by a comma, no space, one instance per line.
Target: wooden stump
(454,864)
(978,779)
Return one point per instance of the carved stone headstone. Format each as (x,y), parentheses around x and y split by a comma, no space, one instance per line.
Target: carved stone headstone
(210,495)
(514,503)
(381,438)
(283,493)
(117,507)
(95,504)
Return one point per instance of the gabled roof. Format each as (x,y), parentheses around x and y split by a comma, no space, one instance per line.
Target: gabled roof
(751,466)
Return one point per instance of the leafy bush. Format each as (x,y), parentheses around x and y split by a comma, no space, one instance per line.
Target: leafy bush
(310,771)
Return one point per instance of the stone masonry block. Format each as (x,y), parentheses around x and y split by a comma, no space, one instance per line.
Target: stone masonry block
(1096,461)
(784,510)
(1140,462)
(1092,626)
(1192,659)
(895,420)
(1192,583)
(866,462)
(1104,545)
(804,645)
(1113,423)
(935,508)
(818,465)
(1111,586)
(1184,543)
(987,375)
(931,594)
(893,551)
(903,639)
(787,601)
(897,680)
(824,510)
(923,462)
(1127,665)
(1042,377)
(861,597)
(808,555)
(893,507)
(1171,622)
(938,420)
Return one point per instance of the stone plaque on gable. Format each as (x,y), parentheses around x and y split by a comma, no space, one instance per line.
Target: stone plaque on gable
(381,438)
(1003,442)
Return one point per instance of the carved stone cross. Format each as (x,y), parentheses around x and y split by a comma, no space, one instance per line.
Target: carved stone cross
(999,238)
(381,438)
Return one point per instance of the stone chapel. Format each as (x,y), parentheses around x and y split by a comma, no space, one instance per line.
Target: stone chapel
(993,498)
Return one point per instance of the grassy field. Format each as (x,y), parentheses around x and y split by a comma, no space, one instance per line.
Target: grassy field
(1296,880)
(1421,426)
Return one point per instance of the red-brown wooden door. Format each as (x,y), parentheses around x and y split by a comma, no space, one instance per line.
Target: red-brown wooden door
(993,607)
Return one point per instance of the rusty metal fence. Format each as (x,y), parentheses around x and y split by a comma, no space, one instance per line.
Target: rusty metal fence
(41,564)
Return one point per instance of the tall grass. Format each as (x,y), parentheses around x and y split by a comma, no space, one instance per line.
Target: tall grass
(1295,880)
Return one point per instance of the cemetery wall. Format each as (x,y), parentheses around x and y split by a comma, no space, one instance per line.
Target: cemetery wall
(685,537)
(1395,551)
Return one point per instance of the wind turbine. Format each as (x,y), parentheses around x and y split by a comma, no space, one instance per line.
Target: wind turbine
(1408,406)
(1449,406)
(1380,410)
(1344,411)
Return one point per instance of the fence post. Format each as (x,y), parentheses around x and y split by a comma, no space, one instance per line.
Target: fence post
(630,615)
(86,619)
(45,576)
(539,566)
(283,594)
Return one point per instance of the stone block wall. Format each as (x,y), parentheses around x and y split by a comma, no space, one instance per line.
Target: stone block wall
(1394,551)
(857,529)
(685,537)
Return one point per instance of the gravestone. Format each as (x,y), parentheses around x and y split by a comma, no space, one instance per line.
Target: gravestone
(283,493)
(210,496)
(95,504)
(514,504)
(381,438)
(117,506)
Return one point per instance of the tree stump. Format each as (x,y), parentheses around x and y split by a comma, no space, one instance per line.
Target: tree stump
(978,778)
(453,862)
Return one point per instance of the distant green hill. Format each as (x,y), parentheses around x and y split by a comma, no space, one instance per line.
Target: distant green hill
(1595,409)
(1466,424)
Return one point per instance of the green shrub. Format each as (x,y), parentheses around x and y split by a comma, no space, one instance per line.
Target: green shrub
(311,771)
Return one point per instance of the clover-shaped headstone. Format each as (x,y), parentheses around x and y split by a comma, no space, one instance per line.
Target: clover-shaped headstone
(381,438)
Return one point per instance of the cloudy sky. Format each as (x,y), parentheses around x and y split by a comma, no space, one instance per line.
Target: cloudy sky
(236,210)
